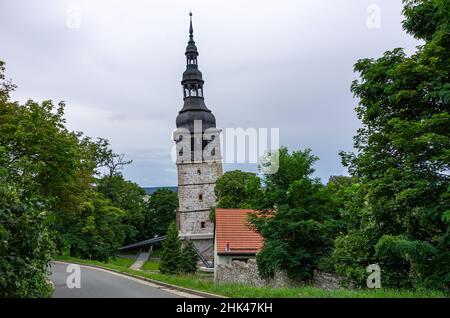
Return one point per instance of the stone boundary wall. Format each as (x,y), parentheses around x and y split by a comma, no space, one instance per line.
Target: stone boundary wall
(247,273)
(328,281)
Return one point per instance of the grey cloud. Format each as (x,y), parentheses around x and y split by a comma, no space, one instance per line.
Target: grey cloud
(286,64)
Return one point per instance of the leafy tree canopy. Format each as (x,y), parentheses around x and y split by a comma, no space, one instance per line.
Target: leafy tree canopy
(302,221)
(402,158)
(161,207)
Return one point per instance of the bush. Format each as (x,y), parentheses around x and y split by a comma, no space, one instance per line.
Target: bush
(352,254)
(411,261)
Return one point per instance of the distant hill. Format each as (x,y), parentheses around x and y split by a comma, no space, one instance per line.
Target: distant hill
(151,190)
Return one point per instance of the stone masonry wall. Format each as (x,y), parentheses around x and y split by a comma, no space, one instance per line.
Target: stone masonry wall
(190,223)
(195,180)
(196,183)
(247,273)
(325,280)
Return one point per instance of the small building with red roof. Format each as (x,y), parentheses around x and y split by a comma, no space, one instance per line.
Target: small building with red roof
(234,238)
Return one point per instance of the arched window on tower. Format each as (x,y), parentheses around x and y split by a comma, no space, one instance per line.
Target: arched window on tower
(193,90)
(200,91)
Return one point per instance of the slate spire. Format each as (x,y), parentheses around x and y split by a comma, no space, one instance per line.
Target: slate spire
(194,107)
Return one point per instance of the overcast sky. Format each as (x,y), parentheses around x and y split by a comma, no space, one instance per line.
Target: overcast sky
(266,64)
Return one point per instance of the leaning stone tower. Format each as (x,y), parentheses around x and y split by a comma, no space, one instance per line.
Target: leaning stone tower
(199,162)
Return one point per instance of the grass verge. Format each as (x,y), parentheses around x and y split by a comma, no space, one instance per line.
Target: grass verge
(150,265)
(205,284)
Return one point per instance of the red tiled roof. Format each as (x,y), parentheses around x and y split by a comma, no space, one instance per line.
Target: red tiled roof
(233,235)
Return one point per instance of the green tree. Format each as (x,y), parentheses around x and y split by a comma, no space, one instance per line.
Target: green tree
(237,189)
(129,197)
(41,153)
(46,161)
(302,222)
(25,245)
(402,159)
(161,211)
(37,168)
(96,231)
(105,158)
(188,258)
(51,171)
(171,257)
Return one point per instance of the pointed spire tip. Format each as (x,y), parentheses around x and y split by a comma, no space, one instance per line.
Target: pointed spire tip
(191,30)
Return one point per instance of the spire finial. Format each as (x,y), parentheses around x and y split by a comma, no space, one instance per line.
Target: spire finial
(191,30)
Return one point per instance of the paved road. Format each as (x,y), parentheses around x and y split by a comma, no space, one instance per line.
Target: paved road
(98,283)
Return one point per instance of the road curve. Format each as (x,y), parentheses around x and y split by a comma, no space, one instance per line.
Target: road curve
(99,283)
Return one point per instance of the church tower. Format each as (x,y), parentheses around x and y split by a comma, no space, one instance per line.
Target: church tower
(199,161)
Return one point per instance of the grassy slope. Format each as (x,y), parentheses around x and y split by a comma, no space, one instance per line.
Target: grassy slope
(150,265)
(205,283)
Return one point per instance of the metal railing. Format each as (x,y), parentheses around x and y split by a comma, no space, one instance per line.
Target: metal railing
(202,258)
(144,243)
